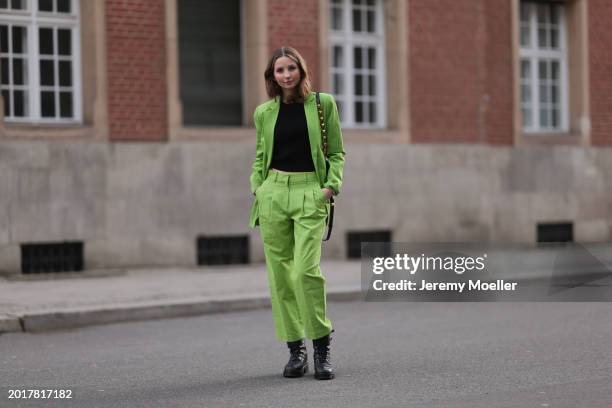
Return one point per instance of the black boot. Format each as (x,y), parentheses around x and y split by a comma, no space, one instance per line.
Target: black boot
(323,367)
(298,360)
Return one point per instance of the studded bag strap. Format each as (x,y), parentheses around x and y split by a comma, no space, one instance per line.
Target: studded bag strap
(330,217)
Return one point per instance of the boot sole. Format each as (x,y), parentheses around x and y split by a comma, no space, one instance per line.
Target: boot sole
(295,373)
(324,376)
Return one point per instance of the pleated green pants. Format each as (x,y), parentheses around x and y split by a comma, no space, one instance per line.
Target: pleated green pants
(292,211)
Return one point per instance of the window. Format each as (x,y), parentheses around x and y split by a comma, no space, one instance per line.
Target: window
(12,5)
(355,239)
(40,61)
(52,257)
(543,67)
(222,250)
(210,64)
(357,62)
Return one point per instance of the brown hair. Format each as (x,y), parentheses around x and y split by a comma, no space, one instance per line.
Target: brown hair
(273,88)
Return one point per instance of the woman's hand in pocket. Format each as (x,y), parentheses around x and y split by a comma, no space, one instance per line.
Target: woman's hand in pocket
(327,193)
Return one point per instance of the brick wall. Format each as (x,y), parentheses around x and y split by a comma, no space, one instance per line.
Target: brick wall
(461,79)
(294,23)
(136,69)
(600,71)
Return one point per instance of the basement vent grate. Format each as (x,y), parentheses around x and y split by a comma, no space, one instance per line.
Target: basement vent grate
(223,250)
(51,257)
(555,232)
(354,240)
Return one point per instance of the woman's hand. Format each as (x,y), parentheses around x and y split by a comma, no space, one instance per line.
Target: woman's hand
(327,192)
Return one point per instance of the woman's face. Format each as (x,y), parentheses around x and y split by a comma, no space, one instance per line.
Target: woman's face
(286,73)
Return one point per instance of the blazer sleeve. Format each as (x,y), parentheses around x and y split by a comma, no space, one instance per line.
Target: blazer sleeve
(256,171)
(335,147)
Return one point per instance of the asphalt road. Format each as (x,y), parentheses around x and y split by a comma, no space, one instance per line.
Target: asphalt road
(386,355)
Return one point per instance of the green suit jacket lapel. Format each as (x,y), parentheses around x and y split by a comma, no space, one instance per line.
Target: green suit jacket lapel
(271,115)
(312,121)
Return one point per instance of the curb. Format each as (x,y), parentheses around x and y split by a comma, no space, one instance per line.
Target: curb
(80,317)
(10,323)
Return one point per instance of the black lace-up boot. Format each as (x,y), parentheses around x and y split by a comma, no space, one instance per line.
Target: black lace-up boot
(298,360)
(323,367)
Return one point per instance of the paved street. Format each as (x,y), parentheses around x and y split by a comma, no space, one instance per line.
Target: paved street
(385,354)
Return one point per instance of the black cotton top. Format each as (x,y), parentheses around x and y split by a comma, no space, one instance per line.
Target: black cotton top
(291,151)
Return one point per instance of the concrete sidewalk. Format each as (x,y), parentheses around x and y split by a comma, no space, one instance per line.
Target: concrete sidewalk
(137,294)
(97,297)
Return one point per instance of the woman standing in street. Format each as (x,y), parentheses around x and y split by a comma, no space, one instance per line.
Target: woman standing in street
(292,189)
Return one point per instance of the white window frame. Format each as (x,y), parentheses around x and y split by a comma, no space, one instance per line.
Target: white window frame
(32,19)
(347,39)
(534,54)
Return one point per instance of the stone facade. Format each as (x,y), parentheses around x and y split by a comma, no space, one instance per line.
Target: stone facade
(136,196)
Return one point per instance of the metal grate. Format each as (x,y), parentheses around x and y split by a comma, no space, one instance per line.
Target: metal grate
(52,257)
(223,250)
(556,232)
(354,240)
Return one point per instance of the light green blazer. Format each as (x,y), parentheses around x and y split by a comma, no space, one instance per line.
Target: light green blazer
(265,119)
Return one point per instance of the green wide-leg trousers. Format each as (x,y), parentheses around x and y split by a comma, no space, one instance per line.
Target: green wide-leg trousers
(292,211)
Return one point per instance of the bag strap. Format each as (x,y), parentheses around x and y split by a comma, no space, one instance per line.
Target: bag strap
(322,123)
(330,218)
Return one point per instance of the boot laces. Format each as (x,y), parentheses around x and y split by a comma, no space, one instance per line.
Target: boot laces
(322,352)
(297,354)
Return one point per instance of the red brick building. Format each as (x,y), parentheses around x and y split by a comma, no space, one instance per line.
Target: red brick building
(127,123)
